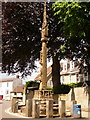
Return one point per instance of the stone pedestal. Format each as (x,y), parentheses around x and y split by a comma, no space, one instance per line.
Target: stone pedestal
(35,108)
(14,105)
(62,108)
(29,108)
(49,108)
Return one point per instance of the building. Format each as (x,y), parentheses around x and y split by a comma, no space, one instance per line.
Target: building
(8,85)
(69,73)
(17,92)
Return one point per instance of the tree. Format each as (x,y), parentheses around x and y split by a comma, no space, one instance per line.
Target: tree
(21,36)
(18,37)
(76,28)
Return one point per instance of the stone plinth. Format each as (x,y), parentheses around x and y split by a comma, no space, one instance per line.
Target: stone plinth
(35,108)
(29,108)
(49,108)
(14,105)
(62,108)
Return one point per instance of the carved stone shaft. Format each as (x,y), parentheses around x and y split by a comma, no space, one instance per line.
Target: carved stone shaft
(43,56)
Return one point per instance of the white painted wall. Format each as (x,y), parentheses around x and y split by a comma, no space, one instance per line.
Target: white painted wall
(7,87)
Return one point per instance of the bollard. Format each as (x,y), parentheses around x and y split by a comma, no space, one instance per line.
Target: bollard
(29,108)
(35,108)
(49,108)
(62,108)
(14,105)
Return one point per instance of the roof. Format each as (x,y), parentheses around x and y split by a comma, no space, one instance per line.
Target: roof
(18,89)
(8,79)
(49,70)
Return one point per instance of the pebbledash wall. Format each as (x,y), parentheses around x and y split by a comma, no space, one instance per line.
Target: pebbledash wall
(82,97)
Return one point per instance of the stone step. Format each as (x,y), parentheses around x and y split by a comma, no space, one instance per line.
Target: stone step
(55,115)
(43,102)
(43,108)
(55,108)
(55,105)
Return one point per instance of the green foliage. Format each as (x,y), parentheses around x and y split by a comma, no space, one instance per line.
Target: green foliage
(76,28)
(49,88)
(75,15)
(62,89)
(31,84)
(65,88)
(63,48)
(72,85)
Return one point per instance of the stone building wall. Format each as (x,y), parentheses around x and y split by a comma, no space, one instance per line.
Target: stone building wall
(81,95)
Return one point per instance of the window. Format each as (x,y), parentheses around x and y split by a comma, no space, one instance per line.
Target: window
(71,65)
(77,77)
(15,93)
(85,76)
(7,92)
(7,84)
(65,67)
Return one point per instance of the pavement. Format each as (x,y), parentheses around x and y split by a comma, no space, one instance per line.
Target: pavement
(5,114)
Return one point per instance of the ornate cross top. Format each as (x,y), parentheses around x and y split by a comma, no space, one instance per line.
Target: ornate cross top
(44,26)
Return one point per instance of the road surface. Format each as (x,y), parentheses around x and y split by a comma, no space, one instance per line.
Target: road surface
(4,105)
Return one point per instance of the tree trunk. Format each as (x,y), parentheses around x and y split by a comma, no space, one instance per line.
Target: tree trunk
(56,74)
(88,72)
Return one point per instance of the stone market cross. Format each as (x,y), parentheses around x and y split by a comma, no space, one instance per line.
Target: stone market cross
(43,53)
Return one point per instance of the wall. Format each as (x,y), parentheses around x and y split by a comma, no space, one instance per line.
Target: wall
(8,86)
(4,88)
(73,78)
(81,96)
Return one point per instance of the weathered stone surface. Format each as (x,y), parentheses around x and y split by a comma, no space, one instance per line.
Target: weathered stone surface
(29,108)
(35,108)
(49,108)
(62,108)
(14,105)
